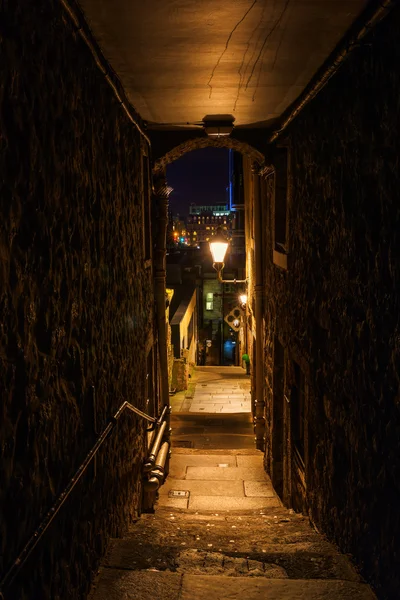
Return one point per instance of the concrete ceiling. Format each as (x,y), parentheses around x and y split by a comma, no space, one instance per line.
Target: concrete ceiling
(180,60)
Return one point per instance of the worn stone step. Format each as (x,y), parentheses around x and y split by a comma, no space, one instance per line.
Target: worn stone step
(234,473)
(228,503)
(208,587)
(271,562)
(200,555)
(118,584)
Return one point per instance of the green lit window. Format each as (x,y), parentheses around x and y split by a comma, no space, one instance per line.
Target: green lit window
(209,301)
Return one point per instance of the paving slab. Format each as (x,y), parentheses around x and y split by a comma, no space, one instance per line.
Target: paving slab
(223,503)
(209,488)
(258,489)
(226,408)
(217,587)
(215,473)
(211,440)
(251,461)
(209,399)
(181,459)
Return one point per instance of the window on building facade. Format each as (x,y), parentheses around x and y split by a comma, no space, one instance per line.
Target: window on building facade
(209,301)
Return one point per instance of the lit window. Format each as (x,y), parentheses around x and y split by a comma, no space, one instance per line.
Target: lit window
(209,301)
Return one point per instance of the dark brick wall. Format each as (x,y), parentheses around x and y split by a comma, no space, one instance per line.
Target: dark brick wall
(75,299)
(337,308)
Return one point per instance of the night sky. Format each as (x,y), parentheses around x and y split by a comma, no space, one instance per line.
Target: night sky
(200,176)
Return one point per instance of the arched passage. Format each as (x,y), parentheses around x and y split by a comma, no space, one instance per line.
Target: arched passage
(198,143)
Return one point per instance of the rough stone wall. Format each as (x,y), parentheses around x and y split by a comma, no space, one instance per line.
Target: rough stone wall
(338,306)
(180,373)
(75,300)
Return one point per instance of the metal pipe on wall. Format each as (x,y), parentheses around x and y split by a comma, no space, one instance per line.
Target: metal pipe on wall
(160,471)
(259,420)
(161,194)
(148,465)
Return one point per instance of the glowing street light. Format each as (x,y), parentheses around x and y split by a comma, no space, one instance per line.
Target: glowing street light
(218,246)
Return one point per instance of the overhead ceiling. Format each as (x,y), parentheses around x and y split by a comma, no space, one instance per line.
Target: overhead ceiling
(180,60)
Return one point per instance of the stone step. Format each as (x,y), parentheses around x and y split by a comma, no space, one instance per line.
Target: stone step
(220,474)
(272,562)
(117,584)
(274,545)
(223,503)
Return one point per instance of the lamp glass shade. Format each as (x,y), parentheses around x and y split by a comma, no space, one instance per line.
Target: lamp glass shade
(243,298)
(218,250)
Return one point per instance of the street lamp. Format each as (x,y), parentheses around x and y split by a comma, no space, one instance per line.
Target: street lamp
(218,246)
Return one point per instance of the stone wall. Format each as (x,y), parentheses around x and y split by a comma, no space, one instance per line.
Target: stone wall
(75,300)
(336,309)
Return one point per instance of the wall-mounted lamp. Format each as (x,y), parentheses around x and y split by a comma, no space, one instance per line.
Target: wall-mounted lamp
(218,125)
(218,130)
(218,246)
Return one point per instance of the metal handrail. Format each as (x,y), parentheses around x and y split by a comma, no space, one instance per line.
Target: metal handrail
(51,514)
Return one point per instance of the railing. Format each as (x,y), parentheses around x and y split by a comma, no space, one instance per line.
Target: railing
(158,426)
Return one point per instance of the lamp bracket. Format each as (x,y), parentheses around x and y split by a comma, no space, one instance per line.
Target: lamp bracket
(219,268)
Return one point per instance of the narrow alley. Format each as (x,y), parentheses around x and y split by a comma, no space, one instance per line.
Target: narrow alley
(199,299)
(219,531)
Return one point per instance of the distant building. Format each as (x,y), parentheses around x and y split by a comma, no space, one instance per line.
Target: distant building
(204,220)
(178,225)
(236,205)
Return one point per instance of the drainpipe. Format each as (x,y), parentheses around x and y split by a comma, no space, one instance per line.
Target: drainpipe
(259,420)
(373,14)
(161,193)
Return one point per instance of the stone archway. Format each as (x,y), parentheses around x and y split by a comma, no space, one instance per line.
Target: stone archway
(197,143)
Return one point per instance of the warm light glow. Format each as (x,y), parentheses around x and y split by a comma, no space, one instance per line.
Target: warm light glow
(243,298)
(218,246)
(218,251)
(219,130)
(236,323)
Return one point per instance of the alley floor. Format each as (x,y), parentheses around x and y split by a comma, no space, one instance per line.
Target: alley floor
(219,531)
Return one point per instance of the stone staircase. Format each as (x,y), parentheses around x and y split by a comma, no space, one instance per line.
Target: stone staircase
(212,539)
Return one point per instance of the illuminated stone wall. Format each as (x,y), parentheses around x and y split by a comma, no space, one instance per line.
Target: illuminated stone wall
(75,300)
(336,309)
